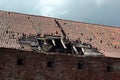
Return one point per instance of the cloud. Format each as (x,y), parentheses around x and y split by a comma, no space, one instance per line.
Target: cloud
(52,8)
(91,11)
(100,3)
(23,6)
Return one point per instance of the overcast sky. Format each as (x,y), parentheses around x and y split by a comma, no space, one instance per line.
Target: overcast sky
(106,12)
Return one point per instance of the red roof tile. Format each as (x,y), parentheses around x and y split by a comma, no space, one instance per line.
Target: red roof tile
(44,26)
(106,39)
(13,26)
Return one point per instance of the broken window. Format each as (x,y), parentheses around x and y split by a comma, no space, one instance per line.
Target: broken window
(52,44)
(45,44)
(60,45)
(57,44)
(69,48)
(80,50)
(20,60)
(77,47)
(80,65)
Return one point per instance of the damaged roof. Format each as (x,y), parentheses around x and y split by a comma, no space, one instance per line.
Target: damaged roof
(15,26)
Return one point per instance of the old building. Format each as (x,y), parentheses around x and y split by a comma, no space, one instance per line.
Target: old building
(43,48)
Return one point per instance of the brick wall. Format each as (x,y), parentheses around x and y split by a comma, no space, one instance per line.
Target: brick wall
(25,65)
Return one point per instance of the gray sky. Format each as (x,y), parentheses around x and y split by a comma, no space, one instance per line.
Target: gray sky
(105,12)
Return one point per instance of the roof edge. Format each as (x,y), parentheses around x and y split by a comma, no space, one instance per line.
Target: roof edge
(61,19)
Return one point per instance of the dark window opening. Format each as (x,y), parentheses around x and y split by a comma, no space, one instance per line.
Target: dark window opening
(69,48)
(9,13)
(40,42)
(58,47)
(20,62)
(50,63)
(6,32)
(109,68)
(80,65)
(46,45)
(28,17)
(80,50)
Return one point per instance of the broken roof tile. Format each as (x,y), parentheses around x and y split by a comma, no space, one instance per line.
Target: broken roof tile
(14,26)
(98,36)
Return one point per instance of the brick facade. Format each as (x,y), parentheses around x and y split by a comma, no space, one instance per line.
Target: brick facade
(29,65)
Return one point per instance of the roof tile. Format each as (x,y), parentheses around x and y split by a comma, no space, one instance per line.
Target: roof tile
(14,26)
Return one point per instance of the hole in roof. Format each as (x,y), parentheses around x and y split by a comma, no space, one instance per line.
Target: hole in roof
(51,33)
(17,33)
(56,32)
(6,32)
(9,13)
(81,34)
(101,41)
(28,17)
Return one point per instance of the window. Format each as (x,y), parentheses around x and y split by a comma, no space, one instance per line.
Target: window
(80,65)
(50,63)
(114,67)
(80,51)
(109,68)
(20,60)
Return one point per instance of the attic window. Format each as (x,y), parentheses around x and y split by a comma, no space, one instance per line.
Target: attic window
(80,65)
(80,51)
(46,45)
(59,47)
(20,60)
(50,63)
(50,44)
